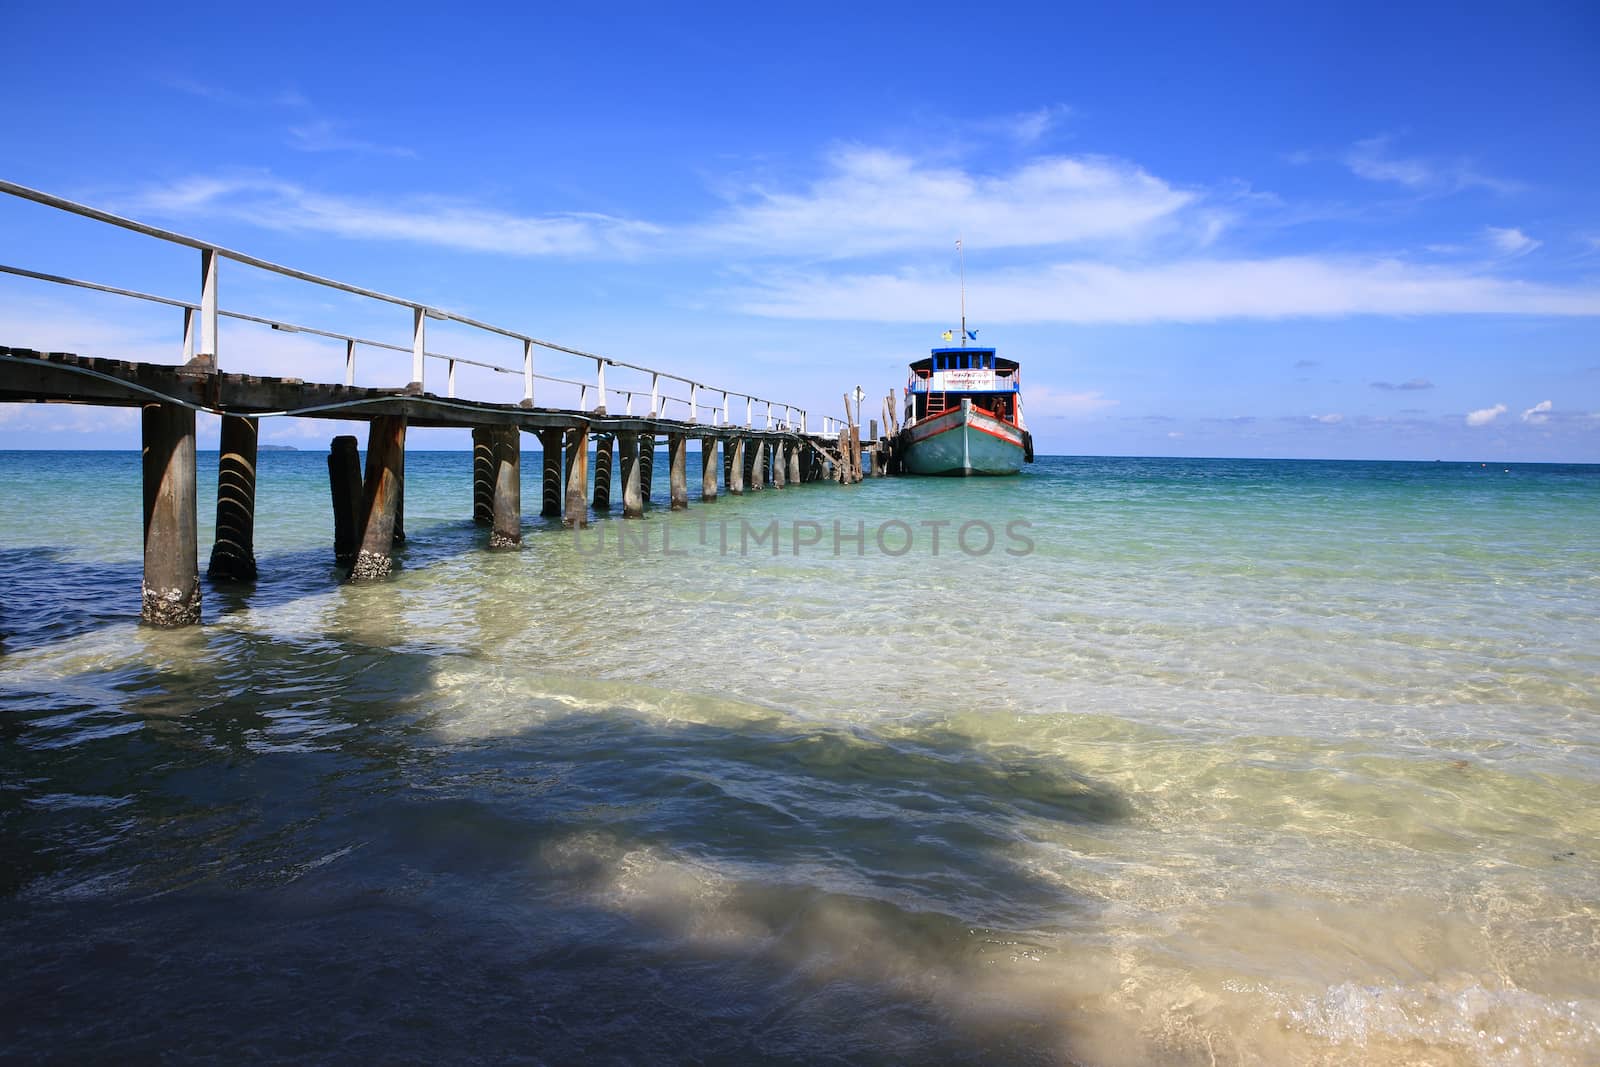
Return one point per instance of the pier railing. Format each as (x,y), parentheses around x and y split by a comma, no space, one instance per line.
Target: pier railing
(703,402)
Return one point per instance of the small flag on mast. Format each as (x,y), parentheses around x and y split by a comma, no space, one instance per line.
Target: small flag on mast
(948,335)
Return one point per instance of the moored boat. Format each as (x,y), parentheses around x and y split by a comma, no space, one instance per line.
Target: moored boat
(963,415)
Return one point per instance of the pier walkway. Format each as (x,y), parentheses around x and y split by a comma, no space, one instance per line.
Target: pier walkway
(776,450)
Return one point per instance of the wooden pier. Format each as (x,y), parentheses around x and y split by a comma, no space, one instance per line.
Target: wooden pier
(367,503)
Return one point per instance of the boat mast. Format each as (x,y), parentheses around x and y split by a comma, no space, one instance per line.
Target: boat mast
(960,252)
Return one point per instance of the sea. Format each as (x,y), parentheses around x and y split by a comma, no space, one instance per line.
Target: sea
(1115,762)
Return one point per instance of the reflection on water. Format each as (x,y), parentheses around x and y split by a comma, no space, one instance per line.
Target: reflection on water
(1245,763)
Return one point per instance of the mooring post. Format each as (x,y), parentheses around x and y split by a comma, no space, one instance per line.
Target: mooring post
(380,496)
(344,480)
(578,477)
(736,466)
(758,466)
(678,470)
(602,472)
(506,531)
(233,554)
(483,474)
(647,465)
(708,468)
(780,464)
(171,594)
(550,441)
(632,502)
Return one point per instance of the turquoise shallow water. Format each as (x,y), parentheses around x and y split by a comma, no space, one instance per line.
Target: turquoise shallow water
(1223,761)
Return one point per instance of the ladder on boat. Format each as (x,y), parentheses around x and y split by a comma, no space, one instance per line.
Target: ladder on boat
(936,404)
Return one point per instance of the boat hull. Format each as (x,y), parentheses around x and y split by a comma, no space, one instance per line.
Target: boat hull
(962,442)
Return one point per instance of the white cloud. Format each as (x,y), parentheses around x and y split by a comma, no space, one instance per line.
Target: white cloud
(1189,290)
(1510,241)
(325,135)
(1538,413)
(1329,420)
(873,201)
(1370,159)
(275,204)
(1484,416)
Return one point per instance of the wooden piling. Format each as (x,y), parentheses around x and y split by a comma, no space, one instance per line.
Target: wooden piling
(632,501)
(708,468)
(483,474)
(233,554)
(506,507)
(577,477)
(758,466)
(603,447)
(344,480)
(780,464)
(551,483)
(794,462)
(736,467)
(171,593)
(647,466)
(678,471)
(380,496)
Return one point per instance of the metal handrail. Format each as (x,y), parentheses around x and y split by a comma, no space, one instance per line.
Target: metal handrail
(208,309)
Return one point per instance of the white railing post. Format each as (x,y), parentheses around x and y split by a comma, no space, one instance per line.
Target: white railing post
(629,410)
(451,390)
(694,400)
(208,304)
(655,395)
(188,335)
(583,398)
(769,414)
(419,343)
(527,374)
(600,384)
(803,421)
(725,419)
(350,361)
(749,420)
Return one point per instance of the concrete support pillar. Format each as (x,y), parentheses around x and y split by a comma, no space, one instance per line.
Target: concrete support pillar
(171,594)
(780,464)
(483,461)
(628,460)
(380,496)
(758,465)
(647,466)
(678,470)
(708,468)
(233,554)
(794,450)
(552,489)
(603,447)
(506,507)
(578,477)
(736,467)
(344,480)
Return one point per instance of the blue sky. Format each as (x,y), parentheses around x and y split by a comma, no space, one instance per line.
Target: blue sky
(1365,231)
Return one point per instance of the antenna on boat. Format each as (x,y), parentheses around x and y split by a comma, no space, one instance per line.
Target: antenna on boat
(960,252)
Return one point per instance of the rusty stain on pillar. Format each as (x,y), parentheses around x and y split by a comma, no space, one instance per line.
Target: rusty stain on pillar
(708,468)
(380,497)
(506,531)
(578,477)
(344,479)
(678,471)
(233,554)
(483,439)
(603,447)
(551,482)
(171,591)
(632,502)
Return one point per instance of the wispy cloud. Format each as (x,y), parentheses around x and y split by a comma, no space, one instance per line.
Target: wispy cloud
(1329,420)
(1411,384)
(873,201)
(1188,290)
(1510,241)
(1484,416)
(1372,159)
(325,135)
(281,205)
(1539,413)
